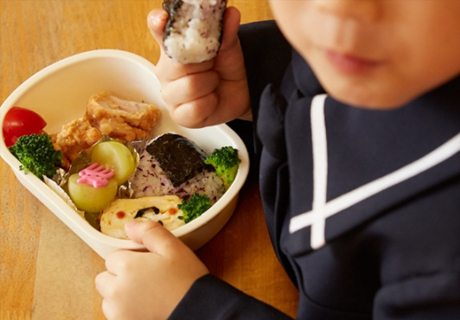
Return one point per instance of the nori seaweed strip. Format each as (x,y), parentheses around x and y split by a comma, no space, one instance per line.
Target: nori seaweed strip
(141,212)
(180,158)
(170,6)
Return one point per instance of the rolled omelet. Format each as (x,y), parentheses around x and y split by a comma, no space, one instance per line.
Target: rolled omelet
(162,209)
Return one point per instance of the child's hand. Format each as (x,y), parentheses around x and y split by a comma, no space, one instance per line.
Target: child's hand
(205,93)
(148,285)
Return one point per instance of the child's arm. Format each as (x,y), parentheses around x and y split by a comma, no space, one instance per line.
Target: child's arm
(150,285)
(206,93)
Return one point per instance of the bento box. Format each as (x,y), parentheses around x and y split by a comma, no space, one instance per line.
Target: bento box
(59,93)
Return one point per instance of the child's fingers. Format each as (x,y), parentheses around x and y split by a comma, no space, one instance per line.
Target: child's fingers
(196,113)
(104,283)
(154,237)
(108,309)
(190,87)
(169,70)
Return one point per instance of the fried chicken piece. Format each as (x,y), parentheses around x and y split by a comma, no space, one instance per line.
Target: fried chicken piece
(65,161)
(76,136)
(121,119)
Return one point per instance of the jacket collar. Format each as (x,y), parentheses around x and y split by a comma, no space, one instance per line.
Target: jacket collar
(364,146)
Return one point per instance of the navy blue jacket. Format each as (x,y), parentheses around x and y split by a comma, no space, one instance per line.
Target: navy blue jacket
(362,206)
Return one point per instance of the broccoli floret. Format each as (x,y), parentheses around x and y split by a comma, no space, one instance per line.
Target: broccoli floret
(37,154)
(194,207)
(226,162)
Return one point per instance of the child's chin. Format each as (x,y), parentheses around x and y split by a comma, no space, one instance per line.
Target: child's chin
(368,101)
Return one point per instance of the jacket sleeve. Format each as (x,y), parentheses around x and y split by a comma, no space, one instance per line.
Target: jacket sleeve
(266,55)
(427,297)
(211,298)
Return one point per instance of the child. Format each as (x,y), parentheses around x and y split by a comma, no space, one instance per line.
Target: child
(360,185)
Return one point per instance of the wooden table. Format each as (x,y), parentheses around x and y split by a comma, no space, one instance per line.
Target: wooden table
(46,271)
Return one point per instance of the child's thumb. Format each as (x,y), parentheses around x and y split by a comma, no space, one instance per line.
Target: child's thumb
(232,18)
(156,21)
(153,236)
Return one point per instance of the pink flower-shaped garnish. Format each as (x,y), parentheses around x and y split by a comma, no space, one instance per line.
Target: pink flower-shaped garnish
(95,175)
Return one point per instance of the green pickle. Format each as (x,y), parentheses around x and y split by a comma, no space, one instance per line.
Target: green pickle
(113,155)
(116,156)
(88,198)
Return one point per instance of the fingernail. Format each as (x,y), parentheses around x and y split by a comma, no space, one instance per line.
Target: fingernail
(158,17)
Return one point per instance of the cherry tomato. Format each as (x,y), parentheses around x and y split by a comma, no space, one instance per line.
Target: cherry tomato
(20,122)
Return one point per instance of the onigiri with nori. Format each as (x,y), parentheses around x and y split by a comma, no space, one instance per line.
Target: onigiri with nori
(193,32)
(172,164)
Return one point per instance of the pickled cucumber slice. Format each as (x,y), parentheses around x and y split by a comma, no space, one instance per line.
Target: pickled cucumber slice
(90,199)
(116,156)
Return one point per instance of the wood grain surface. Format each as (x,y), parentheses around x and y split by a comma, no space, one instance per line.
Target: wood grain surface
(46,271)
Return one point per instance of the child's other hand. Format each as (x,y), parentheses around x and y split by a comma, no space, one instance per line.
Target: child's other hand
(205,93)
(148,285)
